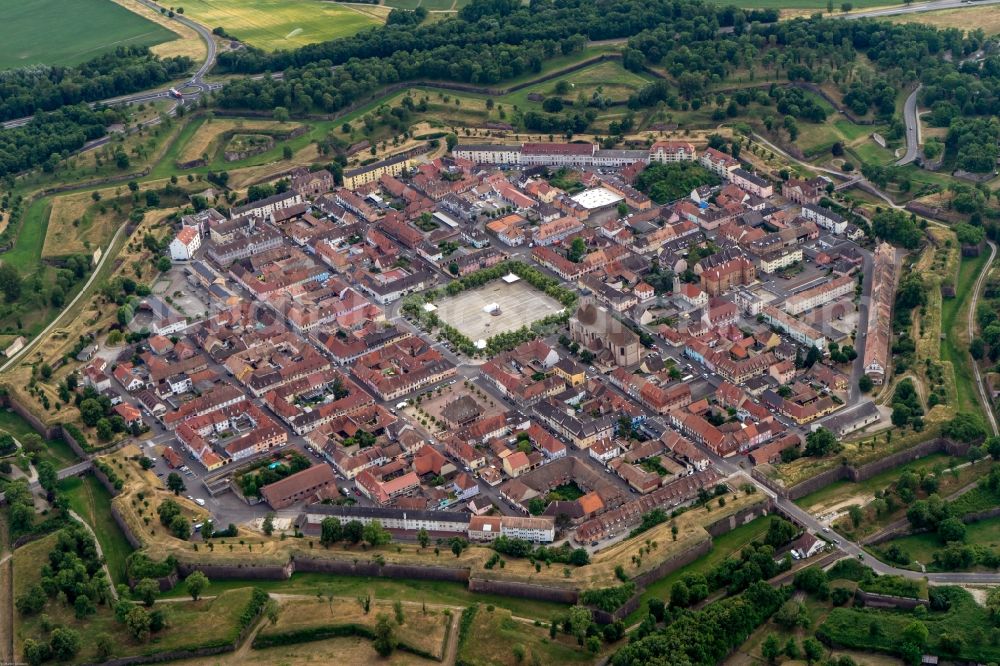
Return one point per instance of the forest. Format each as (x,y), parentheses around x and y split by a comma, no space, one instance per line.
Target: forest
(491,41)
(128,69)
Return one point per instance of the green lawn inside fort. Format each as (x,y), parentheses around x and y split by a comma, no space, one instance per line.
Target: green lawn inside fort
(61,32)
(431,591)
(56,451)
(92,502)
(723,546)
(954,323)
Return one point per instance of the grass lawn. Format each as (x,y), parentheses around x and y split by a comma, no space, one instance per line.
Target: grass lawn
(57,32)
(279,24)
(433,592)
(722,547)
(504,632)
(92,502)
(56,451)
(954,323)
(921,547)
(30,238)
(850,627)
(615,82)
(190,625)
(423,628)
(842,490)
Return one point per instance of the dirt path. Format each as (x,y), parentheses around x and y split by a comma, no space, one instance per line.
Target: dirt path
(451,649)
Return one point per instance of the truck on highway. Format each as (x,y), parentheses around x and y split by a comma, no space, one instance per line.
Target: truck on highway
(176,93)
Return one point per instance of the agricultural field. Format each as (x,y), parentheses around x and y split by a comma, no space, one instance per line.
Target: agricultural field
(429,5)
(814,5)
(281,24)
(55,32)
(986,19)
(954,323)
(922,547)
(187,42)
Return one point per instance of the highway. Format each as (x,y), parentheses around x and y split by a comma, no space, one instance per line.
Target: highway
(917,8)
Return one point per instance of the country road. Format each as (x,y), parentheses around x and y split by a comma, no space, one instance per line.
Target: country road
(912,120)
(987,405)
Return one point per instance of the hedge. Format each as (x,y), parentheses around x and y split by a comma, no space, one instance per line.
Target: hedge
(330,631)
(608,599)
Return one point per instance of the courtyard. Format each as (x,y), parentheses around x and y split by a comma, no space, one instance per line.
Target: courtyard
(519,305)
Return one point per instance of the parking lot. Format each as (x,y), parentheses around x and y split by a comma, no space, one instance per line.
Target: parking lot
(183,296)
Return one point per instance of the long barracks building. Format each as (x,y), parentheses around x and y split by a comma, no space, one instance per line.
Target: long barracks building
(572,154)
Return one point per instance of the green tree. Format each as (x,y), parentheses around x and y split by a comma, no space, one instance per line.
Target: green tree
(915,633)
(423,538)
(580,618)
(770,649)
(64,644)
(385,639)
(137,621)
(268,525)
(813,650)
(951,529)
(375,534)
(146,590)
(181,527)
(196,582)
(10,282)
(175,483)
(104,647)
(330,531)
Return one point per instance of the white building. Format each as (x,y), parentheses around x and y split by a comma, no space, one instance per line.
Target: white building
(819,295)
(489,154)
(825,218)
(185,244)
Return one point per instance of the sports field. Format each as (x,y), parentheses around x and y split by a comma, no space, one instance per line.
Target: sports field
(66,32)
(282,24)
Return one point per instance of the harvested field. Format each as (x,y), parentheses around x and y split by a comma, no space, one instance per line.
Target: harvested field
(188,43)
(986,19)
